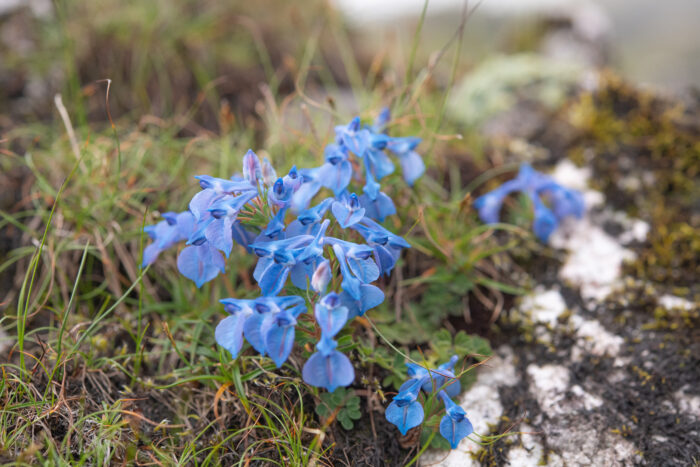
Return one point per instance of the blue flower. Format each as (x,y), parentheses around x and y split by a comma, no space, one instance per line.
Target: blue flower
(267,323)
(200,263)
(219,229)
(386,245)
(405,417)
(406,412)
(296,250)
(229,332)
(276,260)
(328,371)
(565,202)
(379,208)
(455,425)
(351,136)
(348,210)
(545,221)
(437,379)
(336,173)
(412,164)
(166,233)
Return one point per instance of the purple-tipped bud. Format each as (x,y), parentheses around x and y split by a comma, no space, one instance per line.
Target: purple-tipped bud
(252,171)
(268,172)
(321,277)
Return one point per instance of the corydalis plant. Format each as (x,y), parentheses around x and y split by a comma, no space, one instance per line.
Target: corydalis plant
(406,410)
(252,210)
(564,202)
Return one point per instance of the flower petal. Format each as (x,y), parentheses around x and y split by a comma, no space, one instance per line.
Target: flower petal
(406,417)
(329,371)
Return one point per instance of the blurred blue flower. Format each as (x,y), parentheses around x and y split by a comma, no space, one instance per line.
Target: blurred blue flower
(565,202)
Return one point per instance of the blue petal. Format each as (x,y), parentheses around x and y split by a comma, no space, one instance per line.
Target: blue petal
(454,431)
(386,257)
(315,214)
(201,202)
(489,206)
(241,235)
(545,221)
(326,345)
(370,297)
(371,187)
(302,197)
(330,320)
(379,208)
(412,166)
(400,146)
(252,331)
(406,417)
(299,274)
(273,278)
(365,269)
(408,392)
(150,254)
(185,225)
(566,202)
(381,164)
(229,333)
(335,177)
(346,216)
(276,225)
(382,120)
(220,234)
(200,263)
(415,371)
(329,371)
(279,342)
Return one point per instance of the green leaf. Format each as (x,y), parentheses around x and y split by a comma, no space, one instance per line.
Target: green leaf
(474,346)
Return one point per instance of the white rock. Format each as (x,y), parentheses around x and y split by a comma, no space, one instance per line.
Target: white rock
(544,306)
(530,453)
(688,403)
(589,401)
(595,258)
(594,339)
(549,384)
(671,301)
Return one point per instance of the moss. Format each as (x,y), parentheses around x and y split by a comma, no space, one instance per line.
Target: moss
(644,151)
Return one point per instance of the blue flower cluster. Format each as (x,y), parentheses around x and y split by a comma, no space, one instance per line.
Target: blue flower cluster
(564,201)
(221,214)
(406,412)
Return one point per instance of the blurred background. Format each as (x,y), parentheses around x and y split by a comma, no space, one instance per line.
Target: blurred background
(161,54)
